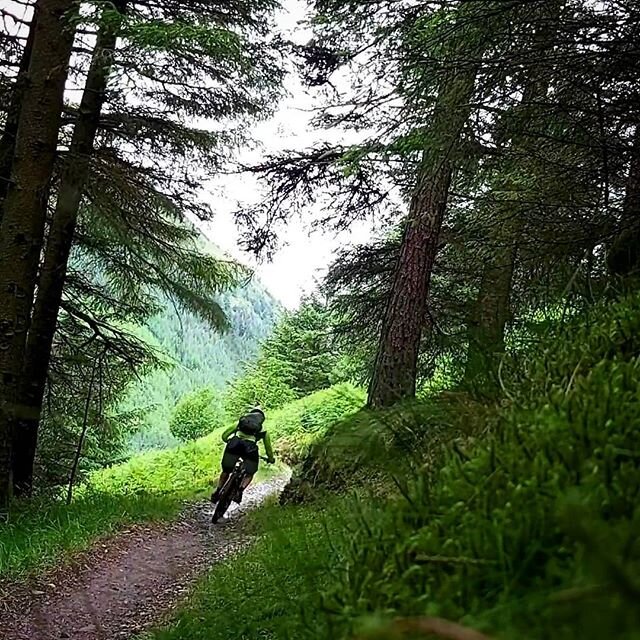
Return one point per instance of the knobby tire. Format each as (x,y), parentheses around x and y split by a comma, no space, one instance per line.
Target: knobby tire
(226,497)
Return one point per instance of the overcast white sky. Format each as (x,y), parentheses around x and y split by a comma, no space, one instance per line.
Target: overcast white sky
(302,258)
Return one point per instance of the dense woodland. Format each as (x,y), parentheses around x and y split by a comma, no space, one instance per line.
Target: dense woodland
(474,367)
(99,194)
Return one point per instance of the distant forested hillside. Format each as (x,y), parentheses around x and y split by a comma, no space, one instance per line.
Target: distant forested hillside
(197,356)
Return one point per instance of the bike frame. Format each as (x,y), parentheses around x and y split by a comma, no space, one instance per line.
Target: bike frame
(229,488)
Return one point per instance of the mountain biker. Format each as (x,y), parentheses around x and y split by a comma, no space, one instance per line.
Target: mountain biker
(242,442)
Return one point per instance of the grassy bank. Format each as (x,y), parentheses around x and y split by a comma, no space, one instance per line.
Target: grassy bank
(269,591)
(151,486)
(519,516)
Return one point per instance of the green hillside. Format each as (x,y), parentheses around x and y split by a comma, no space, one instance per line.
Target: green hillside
(198,357)
(518,518)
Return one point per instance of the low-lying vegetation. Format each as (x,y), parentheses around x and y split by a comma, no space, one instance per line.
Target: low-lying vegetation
(270,590)
(149,486)
(528,529)
(519,517)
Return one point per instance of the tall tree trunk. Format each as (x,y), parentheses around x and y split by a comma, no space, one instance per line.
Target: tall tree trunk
(23,221)
(8,139)
(631,207)
(394,375)
(623,258)
(492,309)
(490,314)
(58,247)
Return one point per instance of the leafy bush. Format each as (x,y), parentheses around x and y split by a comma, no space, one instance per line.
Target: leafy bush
(303,422)
(196,414)
(261,385)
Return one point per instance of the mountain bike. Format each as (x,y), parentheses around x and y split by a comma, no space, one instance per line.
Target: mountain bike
(230,489)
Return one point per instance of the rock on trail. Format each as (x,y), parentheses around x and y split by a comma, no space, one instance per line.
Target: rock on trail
(128,582)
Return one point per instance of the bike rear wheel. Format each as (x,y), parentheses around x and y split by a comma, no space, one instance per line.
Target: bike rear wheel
(226,497)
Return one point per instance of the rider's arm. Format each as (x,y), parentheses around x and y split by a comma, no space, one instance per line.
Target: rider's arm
(267,446)
(226,433)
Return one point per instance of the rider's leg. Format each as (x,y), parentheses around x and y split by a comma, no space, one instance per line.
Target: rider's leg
(244,483)
(229,459)
(251,460)
(224,476)
(221,480)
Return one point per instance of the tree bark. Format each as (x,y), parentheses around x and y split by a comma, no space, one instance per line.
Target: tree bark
(394,375)
(8,139)
(490,315)
(58,248)
(623,258)
(23,221)
(396,363)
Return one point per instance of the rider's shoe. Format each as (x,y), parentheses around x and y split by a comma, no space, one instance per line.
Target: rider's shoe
(238,497)
(215,496)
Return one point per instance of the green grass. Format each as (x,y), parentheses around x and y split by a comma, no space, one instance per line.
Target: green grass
(302,423)
(541,503)
(150,486)
(270,590)
(40,535)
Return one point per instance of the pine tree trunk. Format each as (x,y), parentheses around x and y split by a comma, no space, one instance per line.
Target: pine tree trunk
(490,315)
(492,309)
(56,256)
(23,221)
(623,258)
(8,139)
(394,375)
(396,362)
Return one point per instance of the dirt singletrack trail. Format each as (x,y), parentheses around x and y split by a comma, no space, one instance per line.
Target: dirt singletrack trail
(128,582)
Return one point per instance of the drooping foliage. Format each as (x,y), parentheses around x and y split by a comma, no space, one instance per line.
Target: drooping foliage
(533,175)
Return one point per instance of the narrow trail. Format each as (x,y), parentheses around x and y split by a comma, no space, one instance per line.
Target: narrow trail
(131,581)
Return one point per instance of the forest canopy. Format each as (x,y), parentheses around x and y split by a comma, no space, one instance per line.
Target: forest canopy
(495,145)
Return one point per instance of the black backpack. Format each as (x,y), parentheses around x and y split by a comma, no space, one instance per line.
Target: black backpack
(251,424)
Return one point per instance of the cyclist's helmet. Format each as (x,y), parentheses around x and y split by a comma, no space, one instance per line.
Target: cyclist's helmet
(257,409)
